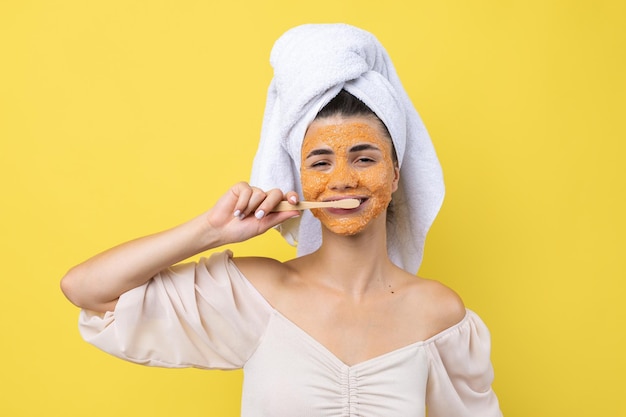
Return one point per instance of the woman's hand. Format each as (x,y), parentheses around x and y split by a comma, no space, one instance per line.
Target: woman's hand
(246,211)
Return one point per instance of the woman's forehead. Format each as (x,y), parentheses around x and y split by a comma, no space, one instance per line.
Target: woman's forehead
(343,132)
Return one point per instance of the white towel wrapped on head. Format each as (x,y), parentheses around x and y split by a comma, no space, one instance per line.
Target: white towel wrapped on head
(312,63)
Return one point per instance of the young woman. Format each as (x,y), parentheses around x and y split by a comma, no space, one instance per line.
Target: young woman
(340,331)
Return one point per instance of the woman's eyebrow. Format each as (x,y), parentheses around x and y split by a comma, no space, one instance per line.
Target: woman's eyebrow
(321,151)
(364,147)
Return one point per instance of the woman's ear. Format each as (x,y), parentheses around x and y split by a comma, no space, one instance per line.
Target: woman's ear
(396,178)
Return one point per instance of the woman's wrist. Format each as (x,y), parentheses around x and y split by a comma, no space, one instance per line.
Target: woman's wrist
(204,235)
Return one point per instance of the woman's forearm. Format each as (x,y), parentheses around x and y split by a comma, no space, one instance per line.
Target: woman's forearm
(97,283)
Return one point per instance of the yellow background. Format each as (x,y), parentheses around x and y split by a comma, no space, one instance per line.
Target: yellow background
(120,118)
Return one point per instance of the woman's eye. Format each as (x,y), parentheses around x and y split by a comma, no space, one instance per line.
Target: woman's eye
(319,164)
(365,160)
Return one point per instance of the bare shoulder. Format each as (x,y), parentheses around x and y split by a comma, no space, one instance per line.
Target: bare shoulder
(438,305)
(265,274)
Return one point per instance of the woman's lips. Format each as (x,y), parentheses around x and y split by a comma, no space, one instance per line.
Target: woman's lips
(361,199)
(336,210)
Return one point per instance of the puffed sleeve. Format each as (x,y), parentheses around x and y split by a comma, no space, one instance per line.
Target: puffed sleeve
(204,315)
(460,372)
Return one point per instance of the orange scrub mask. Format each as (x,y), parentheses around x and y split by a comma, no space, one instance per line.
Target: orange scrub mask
(348,158)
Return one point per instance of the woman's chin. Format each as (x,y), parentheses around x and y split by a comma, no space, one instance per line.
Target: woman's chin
(346,226)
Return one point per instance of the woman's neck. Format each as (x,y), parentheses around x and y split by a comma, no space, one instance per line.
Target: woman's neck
(356,264)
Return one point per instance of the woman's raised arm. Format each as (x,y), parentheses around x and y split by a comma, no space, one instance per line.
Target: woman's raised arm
(243,212)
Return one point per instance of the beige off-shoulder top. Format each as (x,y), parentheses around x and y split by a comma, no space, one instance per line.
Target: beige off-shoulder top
(208,315)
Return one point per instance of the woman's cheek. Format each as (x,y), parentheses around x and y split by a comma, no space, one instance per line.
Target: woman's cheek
(378,180)
(313,185)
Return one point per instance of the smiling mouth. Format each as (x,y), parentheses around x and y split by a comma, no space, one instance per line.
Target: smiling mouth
(360,199)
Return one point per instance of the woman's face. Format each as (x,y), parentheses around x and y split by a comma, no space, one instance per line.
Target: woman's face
(348,158)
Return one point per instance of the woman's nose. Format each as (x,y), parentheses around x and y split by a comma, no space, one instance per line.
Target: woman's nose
(343,177)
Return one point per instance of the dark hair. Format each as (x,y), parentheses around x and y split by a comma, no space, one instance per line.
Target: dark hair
(345,104)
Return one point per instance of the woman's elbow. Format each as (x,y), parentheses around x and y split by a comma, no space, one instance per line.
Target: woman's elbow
(69,284)
(81,293)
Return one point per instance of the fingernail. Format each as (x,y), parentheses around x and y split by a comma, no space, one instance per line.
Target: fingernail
(259,214)
(237,213)
(293,199)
